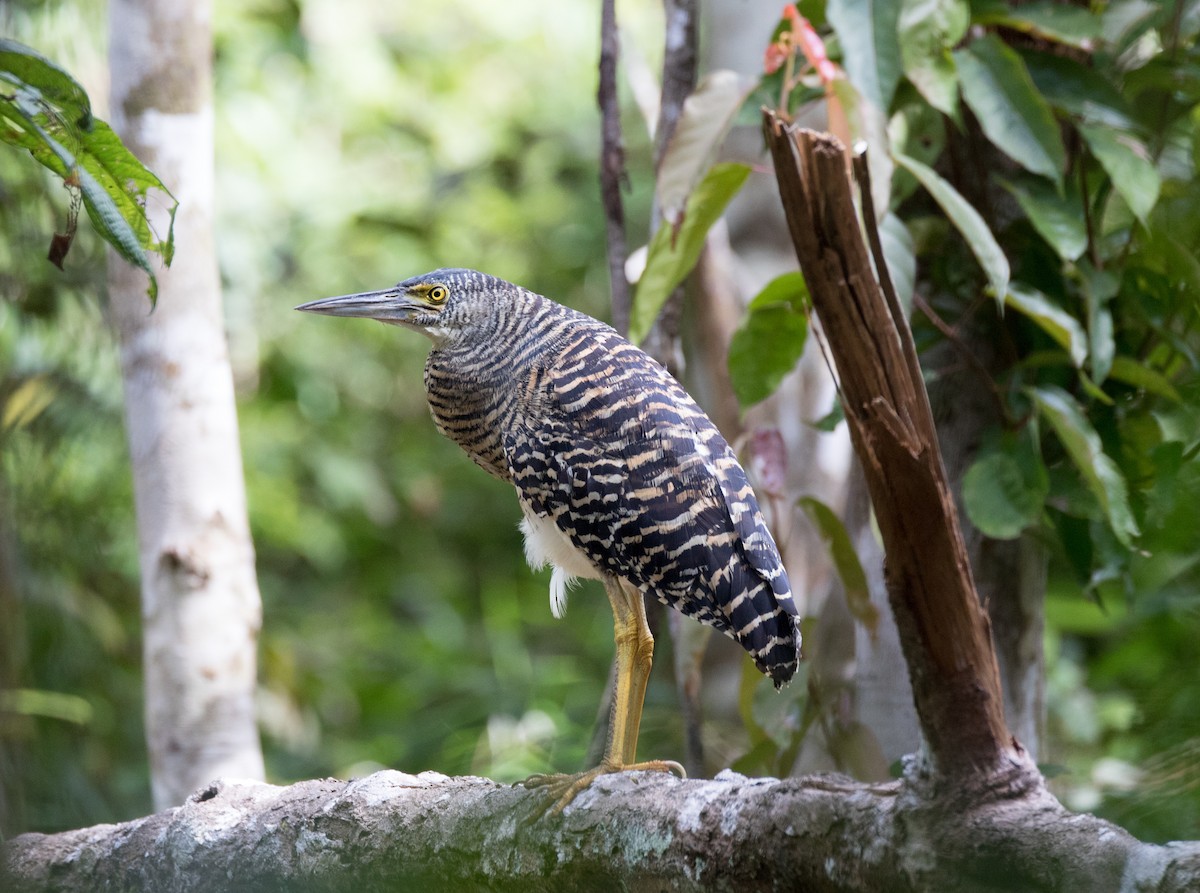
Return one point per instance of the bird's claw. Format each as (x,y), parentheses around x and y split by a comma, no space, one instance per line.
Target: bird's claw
(565,787)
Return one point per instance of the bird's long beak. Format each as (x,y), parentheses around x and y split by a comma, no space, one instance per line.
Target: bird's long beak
(390,305)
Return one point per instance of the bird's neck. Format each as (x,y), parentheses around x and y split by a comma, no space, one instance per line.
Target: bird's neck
(479,388)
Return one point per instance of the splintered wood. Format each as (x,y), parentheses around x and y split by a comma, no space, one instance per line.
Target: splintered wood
(945,631)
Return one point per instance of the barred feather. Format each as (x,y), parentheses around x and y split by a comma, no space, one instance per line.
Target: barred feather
(600,440)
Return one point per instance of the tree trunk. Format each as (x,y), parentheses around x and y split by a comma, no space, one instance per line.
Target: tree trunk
(1009,574)
(200,603)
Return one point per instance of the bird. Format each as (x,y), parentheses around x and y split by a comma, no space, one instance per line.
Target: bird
(619,474)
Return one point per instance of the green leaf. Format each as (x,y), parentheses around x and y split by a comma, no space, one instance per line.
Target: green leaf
(1001,497)
(1083,445)
(128,183)
(929,30)
(831,419)
(868,124)
(1176,262)
(673,252)
(845,561)
(769,342)
(1122,23)
(1052,319)
(1093,390)
(967,221)
(869,35)
(113,226)
(706,117)
(102,211)
(22,130)
(27,401)
(900,256)
(1013,115)
(1139,375)
(1075,26)
(26,69)
(1077,89)
(49,115)
(48,704)
(1099,288)
(1058,218)
(1127,162)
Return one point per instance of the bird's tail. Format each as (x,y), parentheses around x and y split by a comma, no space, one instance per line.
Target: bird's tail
(763,619)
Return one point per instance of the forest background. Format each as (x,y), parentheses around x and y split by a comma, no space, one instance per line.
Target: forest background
(401,627)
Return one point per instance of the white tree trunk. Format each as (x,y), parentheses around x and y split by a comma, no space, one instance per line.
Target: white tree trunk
(200,603)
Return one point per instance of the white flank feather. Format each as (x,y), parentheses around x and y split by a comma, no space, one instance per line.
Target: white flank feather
(545,545)
(560,583)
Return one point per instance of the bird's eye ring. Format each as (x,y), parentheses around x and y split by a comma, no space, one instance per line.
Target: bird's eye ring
(438,294)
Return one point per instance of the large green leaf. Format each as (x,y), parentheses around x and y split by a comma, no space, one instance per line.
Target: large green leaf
(706,117)
(869,34)
(24,69)
(48,114)
(1082,443)
(1077,89)
(1003,496)
(1123,22)
(1139,375)
(900,256)
(1058,217)
(868,125)
(769,342)
(845,561)
(929,30)
(1127,162)
(110,223)
(50,704)
(1176,261)
(674,250)
(967,221)
(1075,26)
(1052,319)
(1099,288)
(1013,115)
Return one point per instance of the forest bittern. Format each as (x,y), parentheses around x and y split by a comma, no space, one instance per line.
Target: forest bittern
(621,477)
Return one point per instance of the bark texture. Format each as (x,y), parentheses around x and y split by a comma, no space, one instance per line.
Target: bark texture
(200,602)
(639,831)
(945,632)
(612,167)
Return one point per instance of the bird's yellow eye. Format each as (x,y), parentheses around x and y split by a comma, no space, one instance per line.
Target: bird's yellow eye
(438,294)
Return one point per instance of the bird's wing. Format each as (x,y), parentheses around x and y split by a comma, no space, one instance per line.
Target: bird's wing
(643,484)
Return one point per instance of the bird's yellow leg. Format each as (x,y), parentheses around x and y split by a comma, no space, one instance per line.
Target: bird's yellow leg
(635,655)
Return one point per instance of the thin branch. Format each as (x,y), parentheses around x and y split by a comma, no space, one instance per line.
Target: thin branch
(1089,225)
(680,50)
(612,166)
(679,69)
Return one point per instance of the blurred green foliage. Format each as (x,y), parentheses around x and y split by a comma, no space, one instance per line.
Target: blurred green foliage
(1065,182)
(358,144)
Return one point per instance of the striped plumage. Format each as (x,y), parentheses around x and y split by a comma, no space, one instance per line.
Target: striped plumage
(620,475)
(598,437)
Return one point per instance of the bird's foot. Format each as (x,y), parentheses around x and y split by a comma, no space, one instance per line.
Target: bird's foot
(565,787)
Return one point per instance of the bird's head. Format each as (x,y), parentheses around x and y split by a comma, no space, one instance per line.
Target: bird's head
(445,305)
